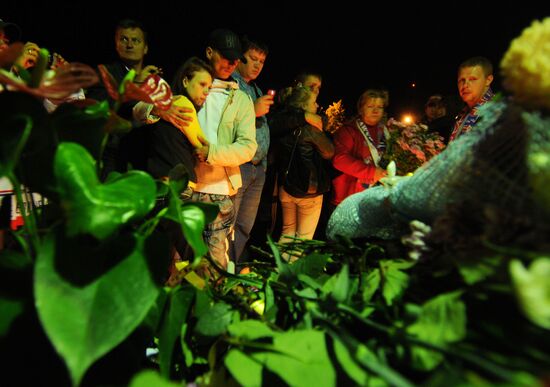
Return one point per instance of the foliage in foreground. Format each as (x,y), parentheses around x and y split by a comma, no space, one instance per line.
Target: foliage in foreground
(82,293)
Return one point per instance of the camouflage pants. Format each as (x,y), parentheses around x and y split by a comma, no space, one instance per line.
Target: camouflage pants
(219,231)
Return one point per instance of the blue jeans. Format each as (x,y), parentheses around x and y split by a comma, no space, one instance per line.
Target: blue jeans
(216,234)
(246,205)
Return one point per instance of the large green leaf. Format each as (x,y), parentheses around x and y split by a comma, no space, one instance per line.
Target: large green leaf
(87,306)
(178,307)
(246,370)
(300,358)
(95,208)
(442,320)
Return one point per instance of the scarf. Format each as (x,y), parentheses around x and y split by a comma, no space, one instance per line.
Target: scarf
(469,118)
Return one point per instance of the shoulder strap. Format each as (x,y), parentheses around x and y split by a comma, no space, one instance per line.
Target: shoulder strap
(297,133)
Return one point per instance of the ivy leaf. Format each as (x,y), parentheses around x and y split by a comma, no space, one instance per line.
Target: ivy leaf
(87,307)
(95,208)
(442,320)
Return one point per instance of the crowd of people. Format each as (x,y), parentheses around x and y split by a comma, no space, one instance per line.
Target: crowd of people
(250,146)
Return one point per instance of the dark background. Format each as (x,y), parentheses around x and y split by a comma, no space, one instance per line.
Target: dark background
(354,45)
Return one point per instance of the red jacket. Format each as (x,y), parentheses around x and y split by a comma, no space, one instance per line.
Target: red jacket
(353,158)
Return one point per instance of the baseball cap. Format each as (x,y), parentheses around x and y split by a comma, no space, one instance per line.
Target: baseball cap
(11,29)
(227,43)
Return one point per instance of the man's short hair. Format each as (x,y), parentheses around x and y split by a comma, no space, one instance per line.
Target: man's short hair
(131,23)
(480,61)
(253,44)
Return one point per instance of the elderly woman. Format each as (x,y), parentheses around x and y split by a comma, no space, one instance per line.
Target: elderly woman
(359,146)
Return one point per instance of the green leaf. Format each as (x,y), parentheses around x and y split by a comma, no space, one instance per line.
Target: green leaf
(337,286)
(192,216)
(10,309)
(250,330)
(346,360)
(150,378)
(300,358)
(95,208)
(387,375)
(478,268)
(87,307)
(394,281)
(442,320)
(341,286)
(371,283)
(532,289)
(246,370)
(312,265)
(215,320)
(179,306)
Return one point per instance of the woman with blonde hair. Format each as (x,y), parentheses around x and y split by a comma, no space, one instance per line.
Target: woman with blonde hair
(359,145)
(303,177)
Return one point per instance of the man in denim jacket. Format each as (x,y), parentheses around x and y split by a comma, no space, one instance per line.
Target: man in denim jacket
(253,172)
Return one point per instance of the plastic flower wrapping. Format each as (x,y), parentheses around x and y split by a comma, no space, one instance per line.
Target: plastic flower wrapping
(409,146)
(334,117)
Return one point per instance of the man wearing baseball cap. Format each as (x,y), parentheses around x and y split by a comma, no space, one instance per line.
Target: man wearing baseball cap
(228,122)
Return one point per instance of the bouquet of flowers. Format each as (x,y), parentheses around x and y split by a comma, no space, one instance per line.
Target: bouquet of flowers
(410,146)
(334,117)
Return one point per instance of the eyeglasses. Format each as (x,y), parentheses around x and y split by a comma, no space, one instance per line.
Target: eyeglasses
(126,40)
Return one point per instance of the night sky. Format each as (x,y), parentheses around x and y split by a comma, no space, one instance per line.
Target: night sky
(379,43)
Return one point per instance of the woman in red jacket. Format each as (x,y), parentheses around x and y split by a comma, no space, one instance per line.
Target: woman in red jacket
(359,146)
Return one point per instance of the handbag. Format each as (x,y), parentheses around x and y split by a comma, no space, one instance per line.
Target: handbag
(306,174)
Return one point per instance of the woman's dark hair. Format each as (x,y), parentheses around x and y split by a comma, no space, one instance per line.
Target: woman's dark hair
(188,70)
